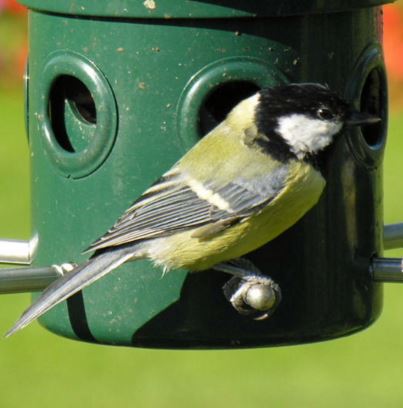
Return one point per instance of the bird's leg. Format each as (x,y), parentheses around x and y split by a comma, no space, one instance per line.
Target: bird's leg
(249,291)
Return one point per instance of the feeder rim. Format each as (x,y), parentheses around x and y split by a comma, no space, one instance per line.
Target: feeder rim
(201,9)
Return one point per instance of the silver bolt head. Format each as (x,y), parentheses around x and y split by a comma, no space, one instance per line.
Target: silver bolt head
(260,297)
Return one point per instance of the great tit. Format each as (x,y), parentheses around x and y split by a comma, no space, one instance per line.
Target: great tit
(244,183)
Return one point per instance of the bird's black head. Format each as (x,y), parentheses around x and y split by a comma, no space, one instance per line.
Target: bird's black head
(300,119)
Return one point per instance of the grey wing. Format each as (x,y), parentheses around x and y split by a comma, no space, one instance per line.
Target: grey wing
(173,204)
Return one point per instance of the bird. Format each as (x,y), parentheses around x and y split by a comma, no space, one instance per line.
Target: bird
(244,183)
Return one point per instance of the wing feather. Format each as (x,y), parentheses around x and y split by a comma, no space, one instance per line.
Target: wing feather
(171,205)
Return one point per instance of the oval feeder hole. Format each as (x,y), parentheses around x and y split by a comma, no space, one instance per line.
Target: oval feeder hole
(220,101)
(373,101)
(70,94)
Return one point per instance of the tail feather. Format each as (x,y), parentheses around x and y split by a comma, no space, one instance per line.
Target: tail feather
(71,283)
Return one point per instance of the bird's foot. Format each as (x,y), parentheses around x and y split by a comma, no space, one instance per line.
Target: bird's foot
(249,291)
(63,269)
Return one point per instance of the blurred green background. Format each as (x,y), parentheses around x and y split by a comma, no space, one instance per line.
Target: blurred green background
(38,369)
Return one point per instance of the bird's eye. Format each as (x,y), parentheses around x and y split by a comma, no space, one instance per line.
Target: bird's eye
(324,114)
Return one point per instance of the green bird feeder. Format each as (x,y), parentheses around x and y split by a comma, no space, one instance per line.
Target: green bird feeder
(118,91)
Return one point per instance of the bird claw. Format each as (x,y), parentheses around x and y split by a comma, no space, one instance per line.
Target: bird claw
(249,291)
(254,296)
(63,269)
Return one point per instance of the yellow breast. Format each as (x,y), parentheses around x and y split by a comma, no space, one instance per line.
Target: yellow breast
(186,250)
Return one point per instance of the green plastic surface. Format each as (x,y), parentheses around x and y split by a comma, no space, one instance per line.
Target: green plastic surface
(198,9)
(150,82)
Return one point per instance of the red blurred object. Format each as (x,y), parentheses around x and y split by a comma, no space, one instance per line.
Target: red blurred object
(14,7)
(22,59)
(393,50)
(393,41)
(14,46)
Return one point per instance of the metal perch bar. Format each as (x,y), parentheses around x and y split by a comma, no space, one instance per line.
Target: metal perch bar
(15,280)
(387,269)
(393,236)
(17,251)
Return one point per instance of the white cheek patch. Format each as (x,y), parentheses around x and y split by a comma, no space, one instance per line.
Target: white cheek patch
(307,135)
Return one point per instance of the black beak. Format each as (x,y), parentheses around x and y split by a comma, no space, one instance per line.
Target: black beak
(356,118)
